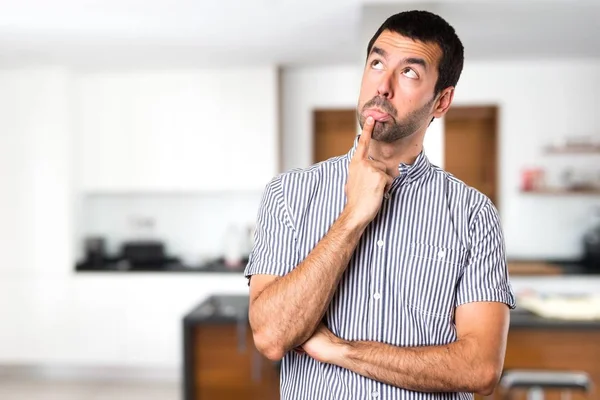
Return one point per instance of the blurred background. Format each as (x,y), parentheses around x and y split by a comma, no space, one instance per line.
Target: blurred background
(136,138)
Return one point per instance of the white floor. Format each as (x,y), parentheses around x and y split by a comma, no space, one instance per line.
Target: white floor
(45,389)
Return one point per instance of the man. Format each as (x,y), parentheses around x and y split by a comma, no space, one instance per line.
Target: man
(376,274)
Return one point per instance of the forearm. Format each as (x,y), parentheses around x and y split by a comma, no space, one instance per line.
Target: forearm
(456,367)
(286,313)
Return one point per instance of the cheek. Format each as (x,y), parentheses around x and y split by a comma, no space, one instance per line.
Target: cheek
(409,96)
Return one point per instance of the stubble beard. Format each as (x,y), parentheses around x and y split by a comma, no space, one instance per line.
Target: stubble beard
(390,131)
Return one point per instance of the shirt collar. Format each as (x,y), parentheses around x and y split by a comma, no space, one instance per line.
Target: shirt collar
(408,172)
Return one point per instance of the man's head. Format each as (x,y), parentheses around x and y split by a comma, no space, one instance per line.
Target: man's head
(414,61)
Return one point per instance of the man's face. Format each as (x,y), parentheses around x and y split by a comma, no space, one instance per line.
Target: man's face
(398,86)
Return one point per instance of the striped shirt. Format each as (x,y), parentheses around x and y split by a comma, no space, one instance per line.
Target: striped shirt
(435,244)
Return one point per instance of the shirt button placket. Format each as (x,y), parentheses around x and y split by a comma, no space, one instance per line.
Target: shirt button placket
(376,294)
(375,291)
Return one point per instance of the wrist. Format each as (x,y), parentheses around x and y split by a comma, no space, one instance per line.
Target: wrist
(343,351)
(350,221)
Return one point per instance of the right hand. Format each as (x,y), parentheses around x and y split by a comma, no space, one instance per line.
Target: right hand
(367,180)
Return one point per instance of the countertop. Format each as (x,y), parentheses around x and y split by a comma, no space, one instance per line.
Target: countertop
(550,268)
(219,309)
(234,308)
(215,266)
(525,268)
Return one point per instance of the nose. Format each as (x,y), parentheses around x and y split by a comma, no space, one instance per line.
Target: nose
(386,85)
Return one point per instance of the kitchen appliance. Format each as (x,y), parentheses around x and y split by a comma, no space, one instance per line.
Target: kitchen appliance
(591,244)
(95,251)
(591,249)
(140,255)
(145,254)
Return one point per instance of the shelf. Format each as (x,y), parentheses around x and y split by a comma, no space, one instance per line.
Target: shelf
(589,149)
(563,192)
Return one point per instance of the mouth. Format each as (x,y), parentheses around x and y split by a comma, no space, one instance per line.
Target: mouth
(377,115)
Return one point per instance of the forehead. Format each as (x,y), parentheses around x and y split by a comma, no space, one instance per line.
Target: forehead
(398,46)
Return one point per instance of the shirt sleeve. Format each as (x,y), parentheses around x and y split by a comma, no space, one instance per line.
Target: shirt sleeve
(485,276)
(274,250)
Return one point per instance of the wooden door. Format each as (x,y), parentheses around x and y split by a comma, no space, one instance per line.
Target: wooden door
(470,149)
(334,133)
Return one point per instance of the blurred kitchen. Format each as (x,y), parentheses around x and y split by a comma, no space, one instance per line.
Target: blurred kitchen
(137,137)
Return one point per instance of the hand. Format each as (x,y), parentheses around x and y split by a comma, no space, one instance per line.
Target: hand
(367,180)
(324,346)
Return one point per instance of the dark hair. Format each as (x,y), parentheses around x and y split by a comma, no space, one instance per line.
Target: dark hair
(427,27)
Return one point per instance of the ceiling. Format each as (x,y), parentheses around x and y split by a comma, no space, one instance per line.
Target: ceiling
(92,33)
(508,29)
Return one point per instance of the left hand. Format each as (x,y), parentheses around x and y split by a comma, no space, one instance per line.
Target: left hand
(324,346)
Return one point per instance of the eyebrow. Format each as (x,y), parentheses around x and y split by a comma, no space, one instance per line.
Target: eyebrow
(408,60)
(380,51)
(415,60)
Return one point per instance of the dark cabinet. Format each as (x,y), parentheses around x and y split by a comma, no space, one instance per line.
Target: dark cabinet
(569,348)
(222,363)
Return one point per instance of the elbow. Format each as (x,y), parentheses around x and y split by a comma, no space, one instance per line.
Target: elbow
(488,378)
(267,345)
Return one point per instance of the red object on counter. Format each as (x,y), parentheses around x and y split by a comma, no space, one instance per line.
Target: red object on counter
(532,179)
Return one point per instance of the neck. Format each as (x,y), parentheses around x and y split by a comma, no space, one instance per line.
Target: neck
(404,150)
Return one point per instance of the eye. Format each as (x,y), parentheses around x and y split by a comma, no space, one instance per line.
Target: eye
(410,73)
(376,64)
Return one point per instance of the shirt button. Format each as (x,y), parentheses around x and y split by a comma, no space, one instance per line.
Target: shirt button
(376,296)
(375,394)
(386,195)
(441,254)
(380,243)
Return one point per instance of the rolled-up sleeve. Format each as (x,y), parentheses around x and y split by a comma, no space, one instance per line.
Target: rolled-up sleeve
(274,250)
(485,276)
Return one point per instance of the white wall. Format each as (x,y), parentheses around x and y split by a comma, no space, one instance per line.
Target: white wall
(35,170)
(50,315)
(539,102)
(35,203)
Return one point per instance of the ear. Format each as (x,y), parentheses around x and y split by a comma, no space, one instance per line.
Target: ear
(444,102)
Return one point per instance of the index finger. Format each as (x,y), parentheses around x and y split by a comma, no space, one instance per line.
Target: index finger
(362,149)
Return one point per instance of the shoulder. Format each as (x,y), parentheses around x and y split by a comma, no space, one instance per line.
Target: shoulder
(305,179)
(291,191)
(469,200)
(466,201)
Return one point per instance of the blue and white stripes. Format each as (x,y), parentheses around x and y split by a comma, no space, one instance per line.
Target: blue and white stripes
(435,244)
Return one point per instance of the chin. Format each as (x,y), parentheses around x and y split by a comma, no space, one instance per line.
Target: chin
(380,133)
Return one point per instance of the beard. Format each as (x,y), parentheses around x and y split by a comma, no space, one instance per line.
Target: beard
(395,129)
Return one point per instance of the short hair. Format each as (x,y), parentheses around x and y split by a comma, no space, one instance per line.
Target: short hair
(427,27)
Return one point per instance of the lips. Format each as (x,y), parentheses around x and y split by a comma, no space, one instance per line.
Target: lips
(377,115)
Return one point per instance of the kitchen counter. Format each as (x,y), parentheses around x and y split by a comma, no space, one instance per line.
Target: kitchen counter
(220,359)
(215,266)
(234,308)
(533,343)
(520,319)
(549,268)
(219,309)
(516,268)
